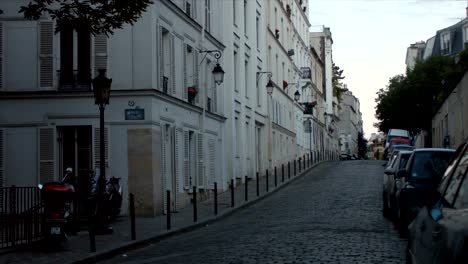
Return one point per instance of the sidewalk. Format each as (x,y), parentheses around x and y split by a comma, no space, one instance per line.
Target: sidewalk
(151,230)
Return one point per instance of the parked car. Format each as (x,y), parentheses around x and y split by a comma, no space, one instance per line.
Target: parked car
(420,179)
(390,182)
(439,233)
(396,133)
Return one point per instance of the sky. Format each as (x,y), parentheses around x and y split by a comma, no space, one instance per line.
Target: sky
(370,38)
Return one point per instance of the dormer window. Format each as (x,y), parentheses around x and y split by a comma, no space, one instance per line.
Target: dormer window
(445,43)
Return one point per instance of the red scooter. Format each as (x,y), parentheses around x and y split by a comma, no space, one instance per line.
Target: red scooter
(57,198)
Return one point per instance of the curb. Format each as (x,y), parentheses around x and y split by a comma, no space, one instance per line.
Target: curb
(157,238)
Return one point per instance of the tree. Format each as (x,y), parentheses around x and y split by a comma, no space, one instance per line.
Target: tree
(96,16)
(337,84)
(362,145)
(410,101)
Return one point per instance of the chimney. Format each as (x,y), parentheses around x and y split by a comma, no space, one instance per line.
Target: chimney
(466,11)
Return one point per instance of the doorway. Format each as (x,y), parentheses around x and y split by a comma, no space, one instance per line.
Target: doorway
(75,151)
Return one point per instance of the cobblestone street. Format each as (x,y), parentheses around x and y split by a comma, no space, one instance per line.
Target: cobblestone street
(331,215)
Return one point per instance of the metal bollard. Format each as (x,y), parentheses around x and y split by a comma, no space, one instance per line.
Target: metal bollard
(294,167)
(168,210)
(267,183)
(215,190)
(92,239)
(276,180)
(282,172)
(195,215)
(246,189)
(232,192)
(258,184)
(299,162)
(132,216)
(304,162)
(289,170)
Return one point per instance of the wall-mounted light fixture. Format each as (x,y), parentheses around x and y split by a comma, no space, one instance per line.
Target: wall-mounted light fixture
(218,72)
(270,85)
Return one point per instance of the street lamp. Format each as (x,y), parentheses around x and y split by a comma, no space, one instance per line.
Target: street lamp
(102,86)
(218,72)
(270,85)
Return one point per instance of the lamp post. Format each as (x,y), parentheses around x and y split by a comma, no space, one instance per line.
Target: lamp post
(101,88)
(218,72)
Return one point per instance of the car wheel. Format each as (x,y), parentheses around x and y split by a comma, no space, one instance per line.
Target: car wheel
(385,209)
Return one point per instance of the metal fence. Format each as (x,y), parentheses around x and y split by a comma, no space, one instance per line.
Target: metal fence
(21,213)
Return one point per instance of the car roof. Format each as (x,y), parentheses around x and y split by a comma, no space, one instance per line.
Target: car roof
(433,150)
(404,152)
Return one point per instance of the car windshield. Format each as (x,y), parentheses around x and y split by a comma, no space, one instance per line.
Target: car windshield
(403,160)
(403,147)
(429,164)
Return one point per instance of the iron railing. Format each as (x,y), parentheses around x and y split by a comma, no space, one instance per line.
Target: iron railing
(21,213)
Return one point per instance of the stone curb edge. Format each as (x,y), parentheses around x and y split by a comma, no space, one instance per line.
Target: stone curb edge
(152,240)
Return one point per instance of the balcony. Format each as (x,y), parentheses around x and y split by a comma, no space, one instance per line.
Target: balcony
(74,81)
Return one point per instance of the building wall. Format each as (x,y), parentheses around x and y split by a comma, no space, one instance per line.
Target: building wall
(450,124)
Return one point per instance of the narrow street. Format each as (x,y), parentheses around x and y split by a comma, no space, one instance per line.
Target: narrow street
(332,215)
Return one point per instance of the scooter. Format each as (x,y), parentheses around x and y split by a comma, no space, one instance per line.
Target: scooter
(57,198)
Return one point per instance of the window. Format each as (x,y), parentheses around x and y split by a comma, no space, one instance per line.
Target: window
(188,8)
(208,15)
(237,136)
(246,79)
(245,17)
(257,31)
(236,70)
(166,60)
(465,33)
(75,59)
(234,18)
(445,43)
(258,89)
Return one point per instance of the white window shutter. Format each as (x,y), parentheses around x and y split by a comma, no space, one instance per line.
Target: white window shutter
(211,163)
(200,164)
(164,175)
(100,53)
(46,54)
(215,97)
(178,139)
(1,56)
(186,160)
(184,88)
(160,57)
(173,86)
(195,78)
(47,154)
(97,147)
(2,157)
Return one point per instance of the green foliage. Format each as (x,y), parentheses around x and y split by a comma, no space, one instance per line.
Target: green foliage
(362,145)
(97,16)
(409,101)
(338,86)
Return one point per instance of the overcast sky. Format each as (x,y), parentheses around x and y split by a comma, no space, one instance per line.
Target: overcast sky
(370,39)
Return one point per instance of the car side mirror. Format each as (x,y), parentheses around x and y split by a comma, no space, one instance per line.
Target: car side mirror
(384,165)
(402,174)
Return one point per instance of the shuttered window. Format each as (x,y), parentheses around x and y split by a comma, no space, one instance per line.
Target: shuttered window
(211,162)
(172,66)
(186,160)
(184,88)
(164,162)
(1,56)
(200,164)
(100,53)
(178,139)
(46,55)
(2,157)
(97,158)
(47,154)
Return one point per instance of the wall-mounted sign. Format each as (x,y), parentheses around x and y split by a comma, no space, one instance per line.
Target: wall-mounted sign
(306,73)
(135,114)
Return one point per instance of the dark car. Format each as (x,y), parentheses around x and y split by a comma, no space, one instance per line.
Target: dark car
(439,233)
(420,179)
(390,182)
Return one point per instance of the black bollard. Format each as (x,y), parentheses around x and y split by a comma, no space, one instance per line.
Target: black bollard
(232,192)
(299,162)
(168,210)
(267,183)
(215,190)
(195,216)
(276,180)
(132,216)
(304,162)
(289,170)
(92,239)
(258,185)
(294,167)
(246,189)
(282,172)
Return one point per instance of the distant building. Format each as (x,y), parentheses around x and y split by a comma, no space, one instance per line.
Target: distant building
(414,53)
(349,124)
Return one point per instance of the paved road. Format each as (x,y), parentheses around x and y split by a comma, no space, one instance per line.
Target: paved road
(332,215)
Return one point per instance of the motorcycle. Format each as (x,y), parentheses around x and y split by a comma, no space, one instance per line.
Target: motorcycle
(57,198)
